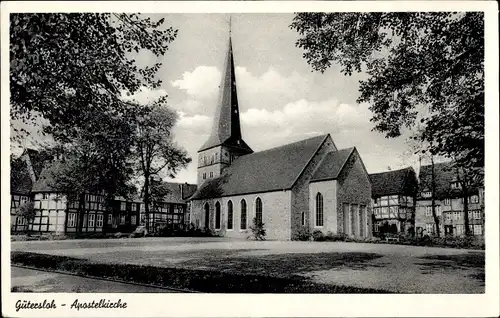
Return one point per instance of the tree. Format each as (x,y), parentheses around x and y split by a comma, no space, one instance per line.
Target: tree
(258,230)
(428,182)
(27,211)
(155,148)
(66,67)
(421,66)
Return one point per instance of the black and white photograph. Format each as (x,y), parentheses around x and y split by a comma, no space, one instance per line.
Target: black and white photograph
(247,152)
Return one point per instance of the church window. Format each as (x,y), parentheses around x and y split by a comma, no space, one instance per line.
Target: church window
(303,218)
(211,174)
(204,175)
(258,210)
(319,209)
(217,216)
(243,224)
(230,215)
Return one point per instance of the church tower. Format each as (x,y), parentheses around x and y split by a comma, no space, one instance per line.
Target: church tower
(225,143)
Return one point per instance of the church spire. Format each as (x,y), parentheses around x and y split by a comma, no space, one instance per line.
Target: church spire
(226,128)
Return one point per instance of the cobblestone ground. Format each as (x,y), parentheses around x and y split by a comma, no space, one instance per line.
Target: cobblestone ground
(402,269)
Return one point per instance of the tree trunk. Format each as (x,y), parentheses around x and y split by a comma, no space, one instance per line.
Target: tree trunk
(433,202)
(146,200)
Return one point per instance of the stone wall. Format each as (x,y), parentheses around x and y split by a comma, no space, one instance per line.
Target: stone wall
(275,214)
(354,187)
(300,191)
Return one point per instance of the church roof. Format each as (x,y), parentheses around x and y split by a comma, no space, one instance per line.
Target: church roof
(402,181)
(226,129)
(332,164)
(269,170)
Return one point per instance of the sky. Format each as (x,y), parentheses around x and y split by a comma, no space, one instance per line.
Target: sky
(281,99)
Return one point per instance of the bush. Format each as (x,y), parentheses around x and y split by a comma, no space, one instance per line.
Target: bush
(258,230)
(303,234)
(318,236)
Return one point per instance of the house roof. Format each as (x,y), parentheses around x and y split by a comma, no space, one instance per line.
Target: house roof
(445,174)
(45,181)
(332,164)
(269,170)
(20,180)
(393,182)
(178,192)
(39,160)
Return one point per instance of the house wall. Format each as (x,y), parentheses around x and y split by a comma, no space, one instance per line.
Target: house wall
(328,190)
(451,214)
(300,191)
(354,190)
(17,222)
(275,214)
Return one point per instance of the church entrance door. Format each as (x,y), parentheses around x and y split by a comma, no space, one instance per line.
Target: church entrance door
(207,215)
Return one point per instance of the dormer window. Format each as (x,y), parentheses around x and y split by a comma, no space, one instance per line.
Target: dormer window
(426,194)
(456,185)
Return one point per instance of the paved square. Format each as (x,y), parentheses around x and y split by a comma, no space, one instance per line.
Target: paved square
(397,268)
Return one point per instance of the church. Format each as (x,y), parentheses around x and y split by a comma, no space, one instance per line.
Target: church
(303,186)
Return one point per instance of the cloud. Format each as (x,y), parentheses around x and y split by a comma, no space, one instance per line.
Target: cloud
(145,95)
(202,82)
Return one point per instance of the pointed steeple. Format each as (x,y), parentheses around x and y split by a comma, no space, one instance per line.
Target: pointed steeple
(226,129)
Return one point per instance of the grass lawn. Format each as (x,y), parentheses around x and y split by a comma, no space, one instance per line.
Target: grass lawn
(395,268)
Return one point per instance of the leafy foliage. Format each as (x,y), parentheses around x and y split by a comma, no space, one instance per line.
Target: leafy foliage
(27,210)
(258,230)
(155,150)
(70,67)
(422,67)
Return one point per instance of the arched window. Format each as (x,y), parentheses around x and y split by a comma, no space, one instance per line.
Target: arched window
(217,215)
(319,209)
(258,210)
(230,215)
(207,215)
(243,206)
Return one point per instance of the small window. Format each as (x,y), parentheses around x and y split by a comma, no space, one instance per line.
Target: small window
(20,220)
(45,196)
(230,215)
(100,220)
(428,210)
(474,199)
(429,228)
(303,218)
(319,209)
(122,219)
(133,220)
(447,201)
(123,206)
(448,216)
(477,214)
(71,220)
(110,218)
(211,174)
(258,210)
(91,220)
(427,194)
(204,175)
(478,229)
(438,210)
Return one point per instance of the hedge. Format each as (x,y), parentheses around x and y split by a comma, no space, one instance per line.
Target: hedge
(188,279)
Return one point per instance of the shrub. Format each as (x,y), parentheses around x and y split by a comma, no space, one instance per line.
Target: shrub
(258,230)
(318,236)
(303,234)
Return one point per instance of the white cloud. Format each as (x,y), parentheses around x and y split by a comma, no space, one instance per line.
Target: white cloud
(145,95)
(202,82)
